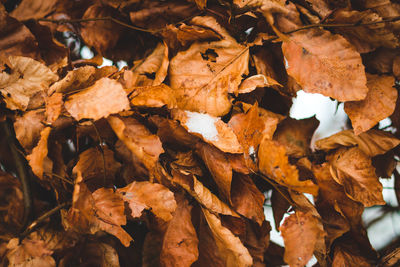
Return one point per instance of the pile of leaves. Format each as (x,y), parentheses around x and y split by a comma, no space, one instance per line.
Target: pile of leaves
(167,161)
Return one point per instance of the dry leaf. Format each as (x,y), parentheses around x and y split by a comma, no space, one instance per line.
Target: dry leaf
(325,63)
(27,78)
(180,240)
(372,142)
(353,169)
(105,97)
(38,159)
(203,75)
(232,251)
(54,105)
(211,129)
(379,103)
(274,162)
(28,127)
(146,195)
(144,145)
(153,96)
(300,232)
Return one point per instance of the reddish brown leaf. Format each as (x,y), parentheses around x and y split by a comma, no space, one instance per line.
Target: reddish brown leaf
(300,232)
(146,195)
(379,103)
(153,96)
(38,159)
(28,127)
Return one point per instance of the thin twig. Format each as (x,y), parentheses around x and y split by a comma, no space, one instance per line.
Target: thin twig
(21,169)
(101,152)
(33,226)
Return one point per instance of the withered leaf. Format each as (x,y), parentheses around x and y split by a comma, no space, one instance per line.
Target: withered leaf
(231,249)
(144,145)
(153,96)
(300,232)
(27,78)
(28,127)
(145,195)
(211,129)
(203,75)
(38,159)
(105,97)
(260,80)
(31,252)
(379,103)
(353,169)
(180,244)
(372,142)
(325,63)
(274,162)
(202,194)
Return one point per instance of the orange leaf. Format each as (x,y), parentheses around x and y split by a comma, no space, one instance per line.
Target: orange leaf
(379,103)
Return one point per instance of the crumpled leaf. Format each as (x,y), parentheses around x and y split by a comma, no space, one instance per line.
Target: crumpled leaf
(54,105)
(274,162)
(219,166)
(247,199)
(211,129)
(300,232)
(379,103)
(102,210)
(203,75)
(38,159)
(16,39)
(31,252)
(250,128)
(144,145)
(372,143)
(364,38)
(32,9)
(250,84)
(231,249)
(145,195)
(296,135)
(28,127)
(97,167)
(201,193)
(325,63)
(105,97)
(102,35)
(156,64)
(153,96)
(180,244)
(27,78)
(353,169)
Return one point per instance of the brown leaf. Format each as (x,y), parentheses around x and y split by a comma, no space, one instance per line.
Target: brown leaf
(180,244)
(104,34)
(280,206)
(203,75)
(144,145)
(32,9)
(296,135)
(211,129)
(11,208)
(38,159)
(250,128)
(31,252)
(97,167)
(202,194)
(156,64)
(325,63)
(27,78)
(353,169)
(364,38)
(153,96)
(372,142)
(54,105)
(379,103)
(105,97)
(101,211)
(300,232)
(231,249)
(16,39)
(274,163)
(219,167)
(28,127)
(145,195)
(80,78)
(250,84)
(347,255)
(247,200)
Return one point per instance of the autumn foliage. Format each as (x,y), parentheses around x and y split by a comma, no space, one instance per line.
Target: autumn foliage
(168,160)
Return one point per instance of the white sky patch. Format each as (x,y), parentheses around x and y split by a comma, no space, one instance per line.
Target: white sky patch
(203,124)
(286,63)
